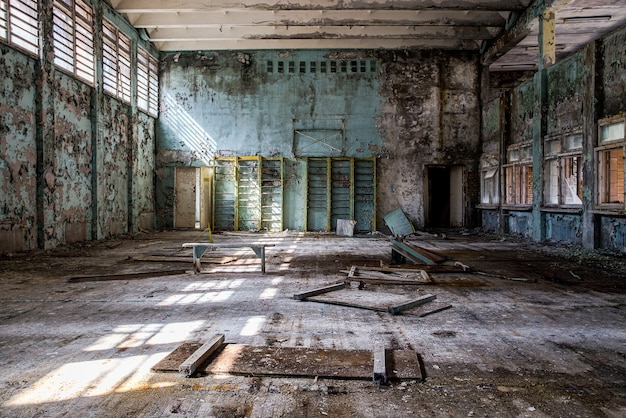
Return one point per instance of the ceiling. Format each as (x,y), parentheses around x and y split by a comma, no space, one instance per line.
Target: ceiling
(506,31)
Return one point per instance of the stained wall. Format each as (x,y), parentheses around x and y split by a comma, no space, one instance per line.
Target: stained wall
(407,109)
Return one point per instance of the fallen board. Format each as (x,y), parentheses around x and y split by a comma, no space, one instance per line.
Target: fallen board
(129,276)
(373,301)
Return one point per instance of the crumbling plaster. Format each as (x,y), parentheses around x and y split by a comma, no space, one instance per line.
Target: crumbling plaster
(61,147)
(18,156)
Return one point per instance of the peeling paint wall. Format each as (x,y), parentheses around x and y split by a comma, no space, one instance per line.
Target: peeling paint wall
(522,113)
(519,223)
(407,109)
(613,77)
(58,207)
(18,152)
(113,180)
(565,95)
(564,228)
(68,179)
(143,166)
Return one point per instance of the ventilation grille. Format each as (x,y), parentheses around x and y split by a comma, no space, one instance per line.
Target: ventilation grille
(356,66)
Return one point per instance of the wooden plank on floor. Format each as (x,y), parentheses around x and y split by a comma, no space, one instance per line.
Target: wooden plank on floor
(189,366)
(319,291)
(395,310)
(380,364)
(129,276)
(370,300)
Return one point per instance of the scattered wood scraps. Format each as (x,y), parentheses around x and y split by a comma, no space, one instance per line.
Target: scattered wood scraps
(402,250)
(387,275)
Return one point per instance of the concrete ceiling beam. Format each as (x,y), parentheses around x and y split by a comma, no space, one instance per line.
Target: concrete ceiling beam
(322,17)
(252,44)
(164,6)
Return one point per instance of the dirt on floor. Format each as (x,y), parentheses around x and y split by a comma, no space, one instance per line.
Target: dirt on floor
(531,330)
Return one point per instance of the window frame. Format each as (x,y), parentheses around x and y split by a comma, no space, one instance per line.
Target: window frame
(519,165)
(557,150)
(73,45)
(489,179)
(602,180)
(147,82)
(20,22)
(116,62)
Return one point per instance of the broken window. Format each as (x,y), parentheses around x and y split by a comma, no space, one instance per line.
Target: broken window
(489,180)
(116,62)
(19,24)
(563,175)
(518,175)
(147,82)
(73,38)
(610,159)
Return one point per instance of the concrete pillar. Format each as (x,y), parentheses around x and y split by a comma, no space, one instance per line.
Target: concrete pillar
(45,136)
(590,135)
(96,126)
(547,58)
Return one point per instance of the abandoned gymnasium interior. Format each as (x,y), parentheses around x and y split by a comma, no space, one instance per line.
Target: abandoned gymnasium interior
(372,208)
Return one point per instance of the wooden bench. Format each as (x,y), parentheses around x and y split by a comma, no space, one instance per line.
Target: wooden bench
(199,248)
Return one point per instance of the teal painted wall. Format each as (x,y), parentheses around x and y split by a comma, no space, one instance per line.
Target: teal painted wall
(409,109)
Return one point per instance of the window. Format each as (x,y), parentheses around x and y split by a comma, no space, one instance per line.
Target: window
(147,82)
(19,24)
(489,180)
(116,62)
(610,159)
(518,175)
(73,38)
(563,176)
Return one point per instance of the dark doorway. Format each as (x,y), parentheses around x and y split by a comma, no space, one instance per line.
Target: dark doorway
(438,197)
(445,196)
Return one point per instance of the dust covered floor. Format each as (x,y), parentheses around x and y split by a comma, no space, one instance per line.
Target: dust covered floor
(535,331)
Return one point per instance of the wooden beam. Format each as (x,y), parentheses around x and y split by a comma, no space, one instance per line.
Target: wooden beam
(395,310)
(319,291)
(380,364)
(129,276)
(189,366)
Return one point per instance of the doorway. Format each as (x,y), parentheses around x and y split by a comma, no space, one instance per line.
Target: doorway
(445,196)
(192,197)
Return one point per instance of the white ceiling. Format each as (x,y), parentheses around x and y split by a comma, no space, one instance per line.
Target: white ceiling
(505,30)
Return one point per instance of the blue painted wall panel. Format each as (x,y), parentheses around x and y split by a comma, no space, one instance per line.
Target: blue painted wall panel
(563,228)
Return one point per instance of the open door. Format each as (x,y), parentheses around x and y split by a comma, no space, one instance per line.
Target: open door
(185,181)
(192,197)
(445,197)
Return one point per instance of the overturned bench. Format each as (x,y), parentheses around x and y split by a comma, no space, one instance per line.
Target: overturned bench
(199,248)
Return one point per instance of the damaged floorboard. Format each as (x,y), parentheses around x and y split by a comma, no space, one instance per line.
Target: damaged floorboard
(246,360)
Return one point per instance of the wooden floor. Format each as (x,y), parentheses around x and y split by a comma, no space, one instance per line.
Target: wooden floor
(529,331)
